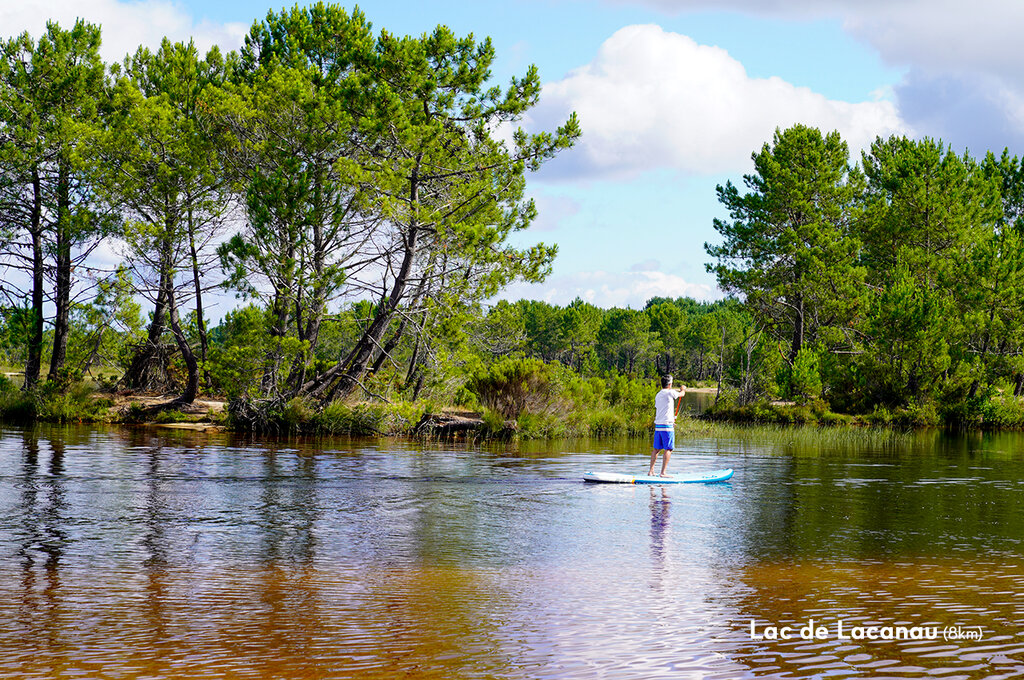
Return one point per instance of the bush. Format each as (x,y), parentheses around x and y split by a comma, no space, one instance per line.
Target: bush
(75,403)
(367,418)
(16,406)
(169,416)
(633,398)
(540,426)
(513,386)
(805,383)
(1003,411)
(494,426)
(607,421)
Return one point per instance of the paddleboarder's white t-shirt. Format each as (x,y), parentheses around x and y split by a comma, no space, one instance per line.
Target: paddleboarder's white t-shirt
(664,404)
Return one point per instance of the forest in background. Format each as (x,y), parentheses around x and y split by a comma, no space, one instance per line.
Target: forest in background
(357,190)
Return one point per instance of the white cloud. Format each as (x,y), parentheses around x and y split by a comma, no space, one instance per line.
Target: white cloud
(941,34)
(611,289)
(952,49)
(552,211)
(649,265)
(124,25)
(653,98)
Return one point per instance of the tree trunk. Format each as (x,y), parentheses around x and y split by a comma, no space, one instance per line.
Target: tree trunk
(34,360)
(62,297)
(200,320)
(419,386)
(389,347)
(344,377)
(140,373)
(798,329)
(95,353)
(192,386)
(281,307)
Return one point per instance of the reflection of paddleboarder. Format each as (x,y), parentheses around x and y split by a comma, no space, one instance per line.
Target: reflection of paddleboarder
(659,517)
(660,505)
(665,423)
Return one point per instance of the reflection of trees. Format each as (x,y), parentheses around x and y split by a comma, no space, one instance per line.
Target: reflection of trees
(155,540)
(288,509)
(44,539)
(898,505)
(884,535)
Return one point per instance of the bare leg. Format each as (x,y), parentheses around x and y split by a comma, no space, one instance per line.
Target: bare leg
(654,459)
(664,463)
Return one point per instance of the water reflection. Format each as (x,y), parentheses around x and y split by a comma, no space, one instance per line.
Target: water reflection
(131,553)
(40,538)
(951,598)
(660,512)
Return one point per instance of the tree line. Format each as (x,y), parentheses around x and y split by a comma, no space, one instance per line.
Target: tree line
(320,165)
(356,191)
(896,281)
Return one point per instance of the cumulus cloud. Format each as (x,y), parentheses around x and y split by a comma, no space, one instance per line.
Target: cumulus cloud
(649,265)
(552,211)
(944,34)
(611,289)
(978,114)
(947,35)
(652,98)
(963,55)
(125,25)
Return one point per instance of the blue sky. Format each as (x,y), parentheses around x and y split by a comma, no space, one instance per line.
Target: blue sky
(673,97)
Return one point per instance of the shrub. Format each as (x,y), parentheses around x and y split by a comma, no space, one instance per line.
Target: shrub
(170,416)
(607,421)
(512,386)
(633,398)
(805,383)
(16,406)
(1003,411)
(367,418)
(75,403)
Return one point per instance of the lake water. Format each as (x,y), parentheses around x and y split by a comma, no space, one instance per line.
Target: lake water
(142,553)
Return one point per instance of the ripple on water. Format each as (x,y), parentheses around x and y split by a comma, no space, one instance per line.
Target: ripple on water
(148,557)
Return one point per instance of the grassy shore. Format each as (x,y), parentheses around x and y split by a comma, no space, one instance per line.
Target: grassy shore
(79,403)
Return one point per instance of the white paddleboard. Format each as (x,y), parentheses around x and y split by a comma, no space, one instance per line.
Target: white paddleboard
(691,478)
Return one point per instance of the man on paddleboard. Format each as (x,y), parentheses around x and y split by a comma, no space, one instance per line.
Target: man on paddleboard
(665,423)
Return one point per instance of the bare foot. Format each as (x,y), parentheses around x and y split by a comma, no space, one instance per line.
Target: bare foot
(664,475)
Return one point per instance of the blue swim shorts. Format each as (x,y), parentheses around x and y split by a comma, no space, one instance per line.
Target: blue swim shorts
(664,437)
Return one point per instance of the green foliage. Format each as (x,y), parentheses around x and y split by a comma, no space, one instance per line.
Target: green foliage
(763,412)
(494,425)
(805,383)
(170,416)
(626,339)
(64,400)
(610,422)
(513,386)
(788,247)
(16,406)
(634,398)
(1002,411)
(351,150)
(243,352)
(368,418)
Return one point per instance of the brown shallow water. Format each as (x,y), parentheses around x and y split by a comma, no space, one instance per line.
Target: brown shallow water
(139,554)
